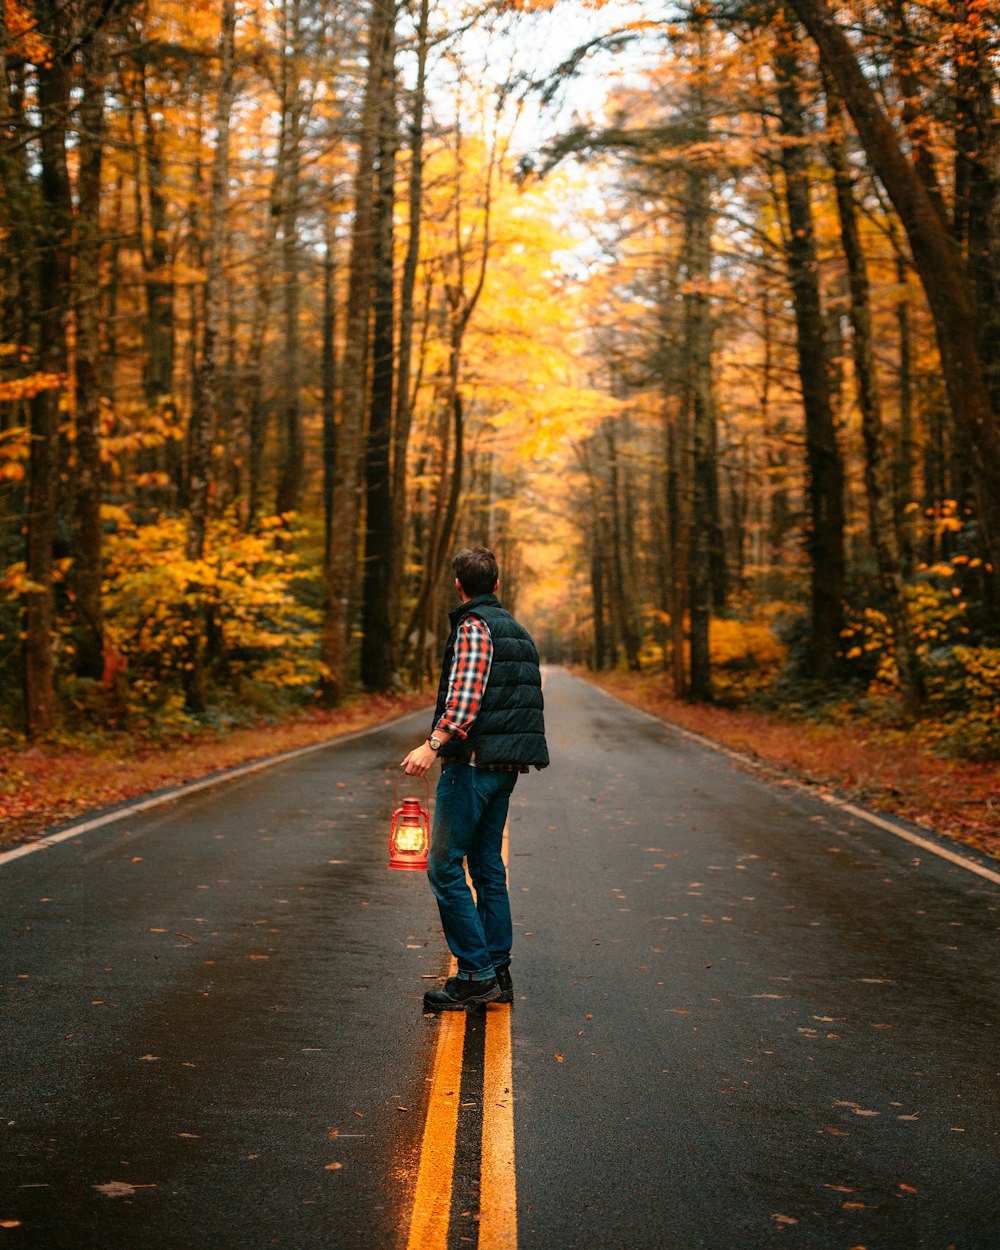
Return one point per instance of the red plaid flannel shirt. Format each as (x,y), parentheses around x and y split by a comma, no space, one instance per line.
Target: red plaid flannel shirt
(470,670)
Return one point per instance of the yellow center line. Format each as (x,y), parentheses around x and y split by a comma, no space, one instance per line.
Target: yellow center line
(497,1190)
(429,1223)
(497,1187)
(432,1200)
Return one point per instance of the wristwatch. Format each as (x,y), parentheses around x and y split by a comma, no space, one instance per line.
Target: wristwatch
(434,742)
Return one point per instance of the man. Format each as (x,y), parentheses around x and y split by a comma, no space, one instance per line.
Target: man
(488,728)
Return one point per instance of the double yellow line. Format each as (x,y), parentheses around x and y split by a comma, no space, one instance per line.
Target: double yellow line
(497,1189)
(498,1195)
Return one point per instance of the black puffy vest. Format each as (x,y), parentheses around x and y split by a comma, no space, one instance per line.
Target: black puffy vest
(510,728)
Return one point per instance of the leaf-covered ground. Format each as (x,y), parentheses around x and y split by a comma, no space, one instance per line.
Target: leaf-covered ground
(47,785)
(879,768)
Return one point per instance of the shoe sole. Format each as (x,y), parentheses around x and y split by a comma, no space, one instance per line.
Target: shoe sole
(506,996)
(468,1004)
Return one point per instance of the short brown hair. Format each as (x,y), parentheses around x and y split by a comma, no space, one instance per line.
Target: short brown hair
(476,569)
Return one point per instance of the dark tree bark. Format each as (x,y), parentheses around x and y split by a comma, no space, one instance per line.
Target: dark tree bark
(205,414)
(378,649)
(905,460)
(54,234)
(87,565)
(291,466)
(701,408)
(826,470)
(404,393)
(877,473)
(329,371)
(157,262)
(340,573)
(622,579)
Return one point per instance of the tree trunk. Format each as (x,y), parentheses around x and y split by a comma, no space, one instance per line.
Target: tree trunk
(904,488)
(54,293)
(936,262)
(877,473)
(381,541)
(700,406)
(87,566)
(621,599)
(340,571)
(205,414)
(826,470)
(291,465)
(329,373)
(404,398)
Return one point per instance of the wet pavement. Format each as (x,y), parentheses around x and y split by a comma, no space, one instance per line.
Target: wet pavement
(740,1016)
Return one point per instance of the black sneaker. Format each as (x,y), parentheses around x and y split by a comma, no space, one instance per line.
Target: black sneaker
(506,985)
(459,995)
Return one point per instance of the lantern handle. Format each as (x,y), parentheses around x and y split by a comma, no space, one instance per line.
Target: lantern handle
(395,789)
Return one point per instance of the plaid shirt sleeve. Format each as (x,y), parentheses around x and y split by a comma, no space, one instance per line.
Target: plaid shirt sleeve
(470,669)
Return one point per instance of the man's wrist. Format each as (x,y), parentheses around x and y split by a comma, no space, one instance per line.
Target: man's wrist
(435,743)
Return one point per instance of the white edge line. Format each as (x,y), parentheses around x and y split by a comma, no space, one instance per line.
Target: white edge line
(240,770)
(830,799)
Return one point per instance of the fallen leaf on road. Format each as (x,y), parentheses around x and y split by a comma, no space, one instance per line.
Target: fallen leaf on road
(841,1189)
(192,1136)
(333,1167)
(906,1117)
(10,1223)
(837,1132)
(151,1058)
(558,1058)
(333,1134)
(784,1219)
(907,1189)
(136,859)
(768,995)
(119,1189)
(854,1206)
(858,1111)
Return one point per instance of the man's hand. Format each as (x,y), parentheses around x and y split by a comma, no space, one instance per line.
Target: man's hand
(418,762)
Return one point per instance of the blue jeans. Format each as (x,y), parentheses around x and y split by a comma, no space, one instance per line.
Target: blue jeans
(470,812)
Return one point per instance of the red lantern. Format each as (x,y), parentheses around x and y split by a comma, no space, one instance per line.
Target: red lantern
(410,838)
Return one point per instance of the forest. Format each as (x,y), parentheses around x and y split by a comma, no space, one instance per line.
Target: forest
(690,311)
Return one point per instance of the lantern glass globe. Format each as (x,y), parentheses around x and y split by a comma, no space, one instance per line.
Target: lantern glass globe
(409,837)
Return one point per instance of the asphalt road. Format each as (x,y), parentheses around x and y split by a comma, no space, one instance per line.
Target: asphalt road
(742,1018)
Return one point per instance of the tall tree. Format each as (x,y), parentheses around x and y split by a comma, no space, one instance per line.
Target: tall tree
(205,415)
(381,539)
(878,472)
(826,470)
(87,565)
(340,572)
(936,260)
(53,249)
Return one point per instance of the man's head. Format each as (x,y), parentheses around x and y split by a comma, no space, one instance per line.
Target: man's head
(476,571)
